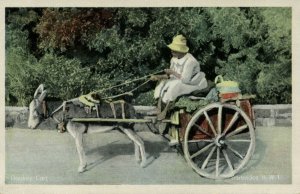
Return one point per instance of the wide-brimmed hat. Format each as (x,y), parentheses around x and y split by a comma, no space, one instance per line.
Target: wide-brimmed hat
(179,44)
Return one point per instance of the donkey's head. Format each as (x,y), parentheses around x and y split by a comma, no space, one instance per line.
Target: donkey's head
(37,109)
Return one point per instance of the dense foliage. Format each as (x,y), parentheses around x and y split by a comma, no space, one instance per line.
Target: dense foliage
(76,50)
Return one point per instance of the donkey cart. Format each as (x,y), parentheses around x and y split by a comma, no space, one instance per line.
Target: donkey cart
(217,139)
(217,136)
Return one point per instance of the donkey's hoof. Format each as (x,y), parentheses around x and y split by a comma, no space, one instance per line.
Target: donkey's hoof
(138,159)
(147,161)
(144,163)
(82,168)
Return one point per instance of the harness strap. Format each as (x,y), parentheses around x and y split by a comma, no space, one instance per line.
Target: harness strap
(97,110)
(123,108)
(56,120)
(112,106)
(45,111)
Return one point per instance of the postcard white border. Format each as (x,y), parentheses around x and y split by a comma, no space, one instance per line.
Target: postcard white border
(293,188)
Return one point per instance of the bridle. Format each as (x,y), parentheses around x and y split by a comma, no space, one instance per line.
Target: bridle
(43,114)
(61,125)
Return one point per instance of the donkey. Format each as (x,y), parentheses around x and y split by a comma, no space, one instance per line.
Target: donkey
(38,114)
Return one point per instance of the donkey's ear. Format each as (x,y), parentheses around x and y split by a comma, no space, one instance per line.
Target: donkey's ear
(43,95)
(40,89)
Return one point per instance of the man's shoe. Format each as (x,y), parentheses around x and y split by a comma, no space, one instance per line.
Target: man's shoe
(163,113)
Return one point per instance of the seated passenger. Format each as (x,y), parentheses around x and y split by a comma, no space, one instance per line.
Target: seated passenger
(183,77)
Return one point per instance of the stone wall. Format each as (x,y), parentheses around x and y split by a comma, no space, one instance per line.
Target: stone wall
(273,115)
(16,117)
(265,115)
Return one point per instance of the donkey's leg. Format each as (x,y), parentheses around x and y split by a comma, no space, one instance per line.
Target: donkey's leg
(77,130)
(81,153)
(138,142)
(137,152)
(142,152)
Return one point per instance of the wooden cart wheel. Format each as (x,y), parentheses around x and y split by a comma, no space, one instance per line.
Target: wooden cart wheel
(219,141)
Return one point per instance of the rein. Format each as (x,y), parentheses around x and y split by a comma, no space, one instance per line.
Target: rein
(61,124)
(44,113)
(131,81)
(126,93)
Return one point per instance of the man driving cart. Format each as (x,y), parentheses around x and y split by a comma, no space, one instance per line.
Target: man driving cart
(183,76)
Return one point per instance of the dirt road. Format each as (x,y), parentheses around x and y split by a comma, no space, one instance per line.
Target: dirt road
(48,157)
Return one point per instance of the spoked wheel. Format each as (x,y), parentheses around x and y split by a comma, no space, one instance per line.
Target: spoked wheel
(219,141)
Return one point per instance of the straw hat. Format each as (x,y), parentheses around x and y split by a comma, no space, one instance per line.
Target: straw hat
(179,44)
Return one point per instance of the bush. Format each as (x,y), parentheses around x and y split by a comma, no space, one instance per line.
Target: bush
(73,54)
(21,75)
(64,78)
(145,99)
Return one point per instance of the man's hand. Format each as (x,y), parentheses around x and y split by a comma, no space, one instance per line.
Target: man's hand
(153,78)
(158,77)
(172,72)
(169,71)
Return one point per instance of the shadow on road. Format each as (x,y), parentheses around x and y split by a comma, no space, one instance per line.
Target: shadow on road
(113,149)
(257,158)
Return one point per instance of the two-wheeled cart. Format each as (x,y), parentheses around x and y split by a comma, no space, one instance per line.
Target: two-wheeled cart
(217,139)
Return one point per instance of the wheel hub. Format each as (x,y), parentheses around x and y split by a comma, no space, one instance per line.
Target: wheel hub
(220,141)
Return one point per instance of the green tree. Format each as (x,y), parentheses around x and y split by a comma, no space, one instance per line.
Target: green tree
(65,78)
(274,80)
(21,74)
(255,50)
(77,50)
